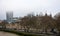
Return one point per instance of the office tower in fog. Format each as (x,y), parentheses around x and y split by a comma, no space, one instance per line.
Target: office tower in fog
(9,16)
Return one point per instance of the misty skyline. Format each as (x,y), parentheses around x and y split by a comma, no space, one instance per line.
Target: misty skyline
(24,7)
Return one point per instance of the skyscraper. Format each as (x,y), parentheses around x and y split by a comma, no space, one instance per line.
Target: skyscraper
(9,16)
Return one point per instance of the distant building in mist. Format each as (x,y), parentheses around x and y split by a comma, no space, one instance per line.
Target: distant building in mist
(9,16)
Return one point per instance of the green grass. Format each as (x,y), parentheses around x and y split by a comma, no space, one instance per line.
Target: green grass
(20,33)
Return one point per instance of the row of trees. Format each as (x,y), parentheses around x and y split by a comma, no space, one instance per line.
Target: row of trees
(44,22)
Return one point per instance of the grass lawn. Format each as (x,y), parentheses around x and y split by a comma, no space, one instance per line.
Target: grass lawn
(20,33)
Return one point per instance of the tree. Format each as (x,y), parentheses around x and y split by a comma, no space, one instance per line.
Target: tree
(28,21)
(47,22)
(57,18)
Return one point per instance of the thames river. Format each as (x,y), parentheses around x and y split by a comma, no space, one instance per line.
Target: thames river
(7,34)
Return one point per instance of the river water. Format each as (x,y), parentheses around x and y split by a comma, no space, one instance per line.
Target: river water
(7,34)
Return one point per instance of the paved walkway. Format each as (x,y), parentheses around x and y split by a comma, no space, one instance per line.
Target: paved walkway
(7,34)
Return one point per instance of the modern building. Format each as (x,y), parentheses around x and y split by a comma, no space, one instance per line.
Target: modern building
(9,16)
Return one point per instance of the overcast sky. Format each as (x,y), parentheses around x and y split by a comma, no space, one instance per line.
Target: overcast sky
(23,7)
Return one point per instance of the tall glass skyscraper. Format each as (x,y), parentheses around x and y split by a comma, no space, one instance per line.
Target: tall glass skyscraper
(9,16)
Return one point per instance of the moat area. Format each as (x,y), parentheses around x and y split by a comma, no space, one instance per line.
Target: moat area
(7,34)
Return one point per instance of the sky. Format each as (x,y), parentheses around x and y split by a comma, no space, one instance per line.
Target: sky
(23,7)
